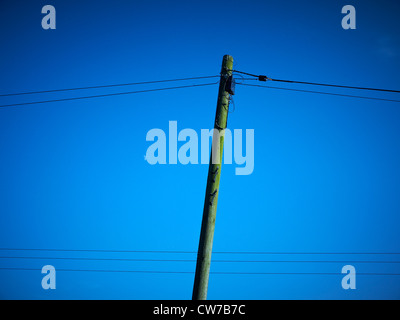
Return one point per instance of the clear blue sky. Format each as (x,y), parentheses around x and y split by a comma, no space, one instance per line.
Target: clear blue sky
(73,175)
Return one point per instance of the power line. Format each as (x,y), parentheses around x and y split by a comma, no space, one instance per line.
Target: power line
(192,252)
(309,273)
(336,85)
(246,73)
(107,95)
(319,92)
(102,259)
(96,250)
(186,260)
(265,78)
(105,86)
(85,270)
(212,272)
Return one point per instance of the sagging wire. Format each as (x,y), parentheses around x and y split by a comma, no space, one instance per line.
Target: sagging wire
(259,77)
(242,78)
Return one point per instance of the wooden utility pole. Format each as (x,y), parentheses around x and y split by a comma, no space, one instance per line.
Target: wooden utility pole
(212,190)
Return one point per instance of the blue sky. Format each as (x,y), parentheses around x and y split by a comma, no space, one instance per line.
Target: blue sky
(73,175)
